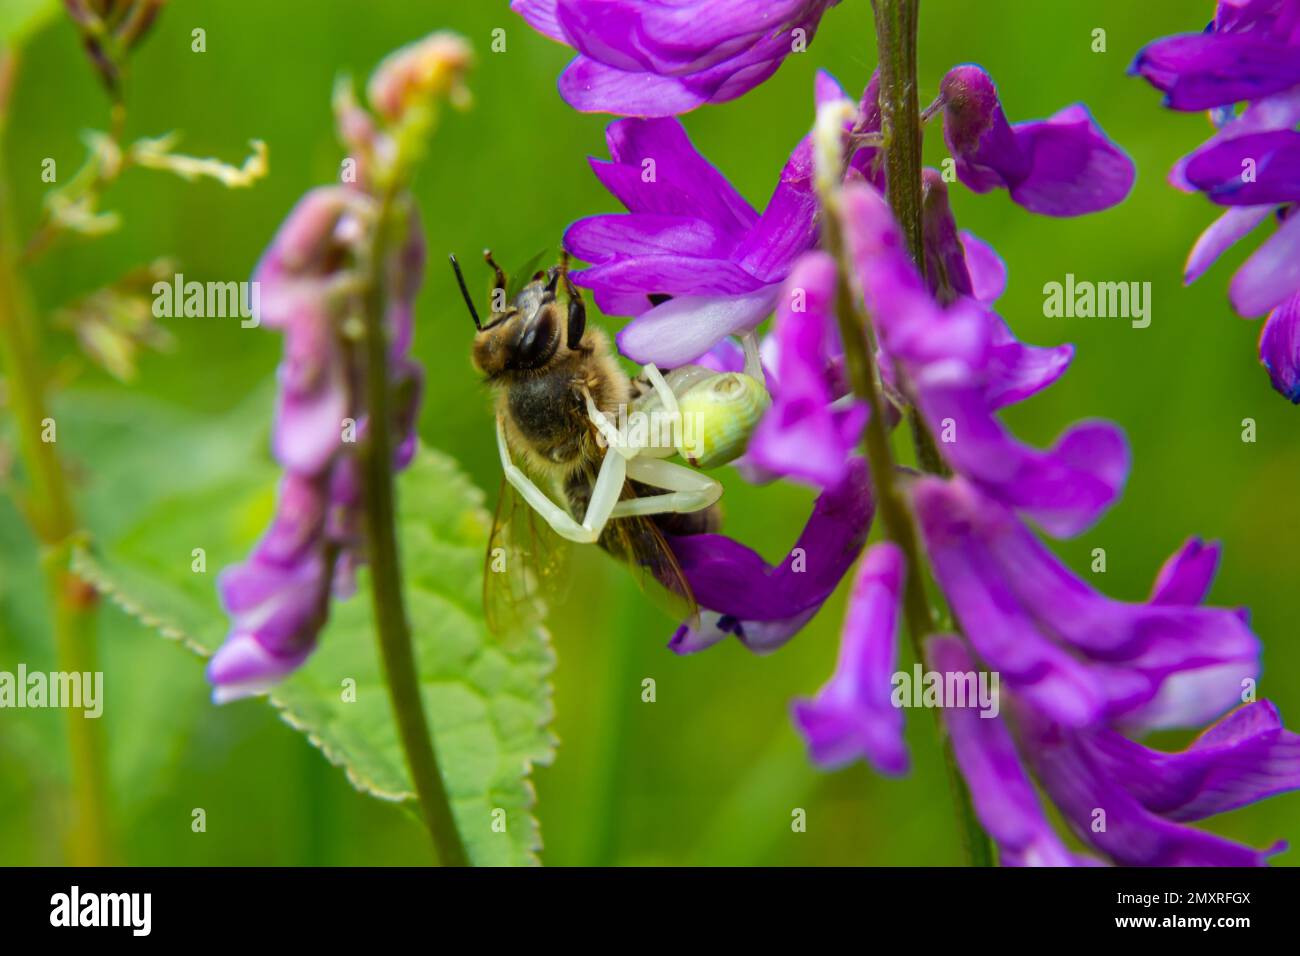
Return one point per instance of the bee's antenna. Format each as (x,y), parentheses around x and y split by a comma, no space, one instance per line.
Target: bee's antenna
(469,302)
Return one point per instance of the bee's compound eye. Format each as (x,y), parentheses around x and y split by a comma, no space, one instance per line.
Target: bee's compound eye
(536,343)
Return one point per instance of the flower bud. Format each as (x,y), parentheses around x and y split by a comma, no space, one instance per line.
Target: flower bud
(431,68)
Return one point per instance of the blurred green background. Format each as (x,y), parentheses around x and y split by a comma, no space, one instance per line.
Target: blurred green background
(711,772)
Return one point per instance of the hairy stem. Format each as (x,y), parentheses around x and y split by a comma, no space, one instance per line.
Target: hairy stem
(48,507)
(385,564)
(896,38)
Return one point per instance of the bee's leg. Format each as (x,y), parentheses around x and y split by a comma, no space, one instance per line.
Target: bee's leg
(753,363)
(687,490)
(604,495)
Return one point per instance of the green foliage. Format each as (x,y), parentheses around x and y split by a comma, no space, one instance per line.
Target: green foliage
(488,698)
(19,19)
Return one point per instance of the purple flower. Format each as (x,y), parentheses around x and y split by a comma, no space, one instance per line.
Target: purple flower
(1074,665)
(691,260)
(278,599)
(1279,348)
(1061,166)
(1077,656)
(1128,801)
(655,58)
(959,365)
(1000,789)
(852,716)
(808,434)
(1250,54)
(764,606)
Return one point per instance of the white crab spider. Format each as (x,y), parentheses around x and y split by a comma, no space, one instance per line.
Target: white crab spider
(685,489)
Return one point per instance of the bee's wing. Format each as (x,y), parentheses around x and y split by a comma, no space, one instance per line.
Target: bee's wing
(525,566)
(521,276)
(639,542)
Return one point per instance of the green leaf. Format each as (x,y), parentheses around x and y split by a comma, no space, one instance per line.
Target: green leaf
(19,19)
(488,698)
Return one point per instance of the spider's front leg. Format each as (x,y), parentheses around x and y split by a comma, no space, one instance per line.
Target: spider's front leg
(604,495)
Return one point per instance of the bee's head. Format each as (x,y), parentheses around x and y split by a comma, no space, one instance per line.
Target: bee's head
(525,334)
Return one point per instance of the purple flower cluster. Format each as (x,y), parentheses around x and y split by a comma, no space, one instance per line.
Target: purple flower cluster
(1249,54)
(313,281)
(692,264)
(690,238)
(1079,670)
(278,599)
(660,59)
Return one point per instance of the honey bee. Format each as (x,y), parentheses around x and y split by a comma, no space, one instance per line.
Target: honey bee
(585,447)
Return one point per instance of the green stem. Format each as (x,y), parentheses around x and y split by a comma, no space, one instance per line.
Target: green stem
(385,566)
(896,36)
(49,510)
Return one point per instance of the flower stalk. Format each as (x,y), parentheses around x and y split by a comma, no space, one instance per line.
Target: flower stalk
(391,623)
(891,503)
(903,125)
(48,507)
(896,22)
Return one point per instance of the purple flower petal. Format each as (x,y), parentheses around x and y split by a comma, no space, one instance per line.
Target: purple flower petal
(1200,71)
(682,329)
(666,275)
(591,87)
(1152,665)
(1279,348)
(606,238)
(1257,169)
(1065,489)
(684,37)
(659,59)
(298,523)
(1245,757)
(946,272)
(541,16)
(243,667)
(1272,274)
(289,271)
(1074,169)
(736,584)
(852,716)
(788,226)
(988,273)
(1129,833)
(1186,577)
(947,356)
(801,436)
(1220,235)
(1015,370)
(1001,791)
(1061,166)
(677,180)
(279,606)
(309,421)
(1278,112)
